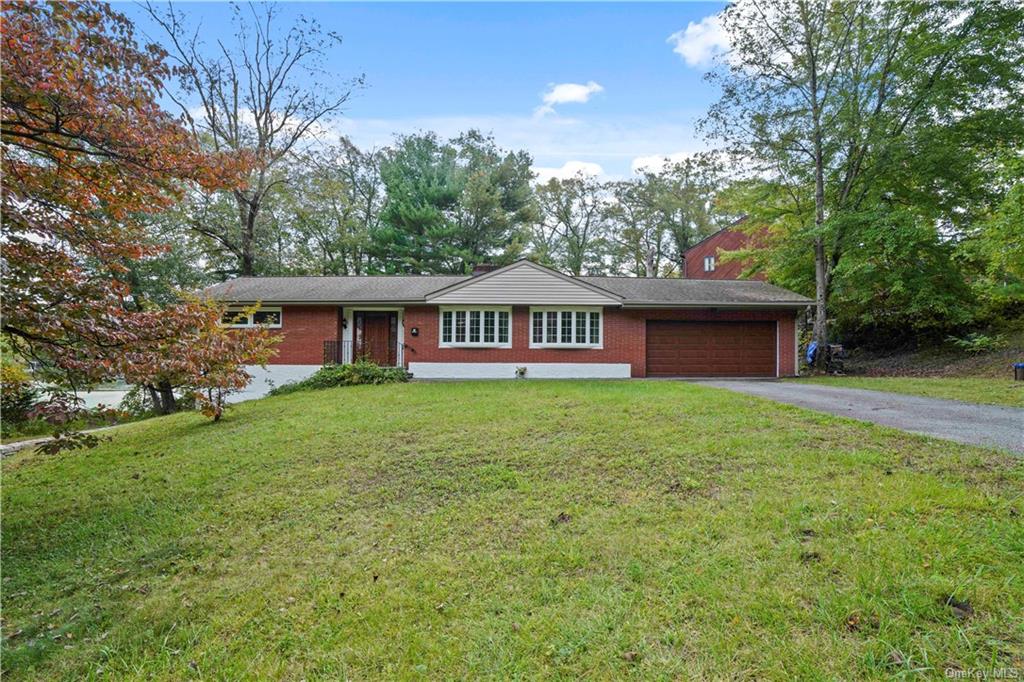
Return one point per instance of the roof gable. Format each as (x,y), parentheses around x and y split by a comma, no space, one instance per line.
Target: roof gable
(714,236)
(524,283)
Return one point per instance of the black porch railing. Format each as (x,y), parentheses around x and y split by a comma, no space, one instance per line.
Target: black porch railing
(337,352)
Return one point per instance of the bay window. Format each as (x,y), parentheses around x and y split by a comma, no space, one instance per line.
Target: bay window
(475,327)
(565,328)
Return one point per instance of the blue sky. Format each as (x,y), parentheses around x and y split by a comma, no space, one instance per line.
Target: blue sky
(624,82)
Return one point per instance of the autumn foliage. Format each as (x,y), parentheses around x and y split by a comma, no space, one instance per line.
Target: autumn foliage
(87,155)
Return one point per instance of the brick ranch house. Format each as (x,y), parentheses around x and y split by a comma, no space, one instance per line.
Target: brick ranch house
(489,324)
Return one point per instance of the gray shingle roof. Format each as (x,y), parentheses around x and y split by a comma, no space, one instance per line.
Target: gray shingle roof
(661,291)
(354,289)
(406,288)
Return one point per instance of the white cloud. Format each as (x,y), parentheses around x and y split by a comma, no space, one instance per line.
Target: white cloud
(567,170)
(565,93)
(699,43)
(655,162)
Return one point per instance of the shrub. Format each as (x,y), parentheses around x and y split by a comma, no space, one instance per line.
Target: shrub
(978,343)
(17,395)
(136,402)
(359,372)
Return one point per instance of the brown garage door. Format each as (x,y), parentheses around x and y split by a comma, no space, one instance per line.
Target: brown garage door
(704,349)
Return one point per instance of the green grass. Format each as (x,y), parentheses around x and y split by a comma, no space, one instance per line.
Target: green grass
(511,530)
(971,390)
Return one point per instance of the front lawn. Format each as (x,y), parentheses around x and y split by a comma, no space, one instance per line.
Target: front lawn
(971,390)
(512,529)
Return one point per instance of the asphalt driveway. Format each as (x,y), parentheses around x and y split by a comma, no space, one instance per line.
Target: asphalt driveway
(985,425)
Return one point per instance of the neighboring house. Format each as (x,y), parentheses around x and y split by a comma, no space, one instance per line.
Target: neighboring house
(523,315)
(703,259)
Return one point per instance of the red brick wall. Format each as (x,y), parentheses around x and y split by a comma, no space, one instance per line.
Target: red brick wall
(625,338)
(726,240)
(305,328)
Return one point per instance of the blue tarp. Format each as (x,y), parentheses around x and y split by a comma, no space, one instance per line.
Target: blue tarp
(812,350)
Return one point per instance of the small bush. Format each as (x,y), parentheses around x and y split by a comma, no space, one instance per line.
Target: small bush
(359,372)
(978,343)
(17,395)
(136,402)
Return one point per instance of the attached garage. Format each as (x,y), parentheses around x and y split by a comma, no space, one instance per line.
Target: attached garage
(712,349)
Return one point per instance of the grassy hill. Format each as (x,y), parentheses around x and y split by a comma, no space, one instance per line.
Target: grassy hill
(511,529)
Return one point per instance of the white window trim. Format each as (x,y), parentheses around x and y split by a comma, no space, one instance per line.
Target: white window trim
(249,324)
(709,263)
(573,309)
(473,344)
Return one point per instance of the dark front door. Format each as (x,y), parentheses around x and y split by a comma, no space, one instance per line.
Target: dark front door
(377,337)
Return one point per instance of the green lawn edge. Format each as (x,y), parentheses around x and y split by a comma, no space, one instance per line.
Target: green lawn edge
(984,391)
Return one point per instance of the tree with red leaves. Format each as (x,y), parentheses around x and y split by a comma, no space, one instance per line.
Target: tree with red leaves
(87,153)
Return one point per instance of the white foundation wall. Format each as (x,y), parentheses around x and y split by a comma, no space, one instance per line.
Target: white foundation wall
(264,378)
(507,370)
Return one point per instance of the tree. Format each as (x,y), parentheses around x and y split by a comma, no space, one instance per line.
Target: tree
(158,278)
(992,253)
(252,100)
(636,227)
(201,358)
(685,195)
(452,204)
(496,202)
(829,99)
(87,154)
(902,282)
(333,206)
(573,228)
(640,237)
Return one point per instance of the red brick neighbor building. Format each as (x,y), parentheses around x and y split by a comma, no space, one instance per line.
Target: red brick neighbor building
(703,259)
(523,315)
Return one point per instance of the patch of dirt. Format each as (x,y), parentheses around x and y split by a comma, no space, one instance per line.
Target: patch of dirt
(962,609)
(692,488)
(560,519)
(894,659)
(857,622)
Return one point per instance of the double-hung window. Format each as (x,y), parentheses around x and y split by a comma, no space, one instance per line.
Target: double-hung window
(243,318)
(476,328)
(565,327)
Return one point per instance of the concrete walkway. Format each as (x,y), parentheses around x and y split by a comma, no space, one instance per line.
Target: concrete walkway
(985,425)
(11,448)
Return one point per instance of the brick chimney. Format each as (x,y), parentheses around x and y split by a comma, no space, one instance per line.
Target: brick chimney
(482,268)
